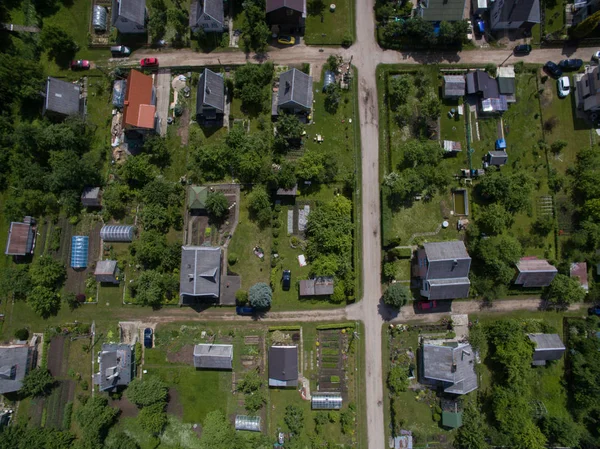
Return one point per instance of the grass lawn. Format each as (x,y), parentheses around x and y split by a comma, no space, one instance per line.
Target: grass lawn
(329,28)
(554,17)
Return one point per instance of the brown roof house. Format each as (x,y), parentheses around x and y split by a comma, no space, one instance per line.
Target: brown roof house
(547,347)
(283,366)
(443,268)
(579,271)
(139,110)
(451,367)
(21,238)
(286,16)
(107,271)
(15,362)
(320,286)
(534,272)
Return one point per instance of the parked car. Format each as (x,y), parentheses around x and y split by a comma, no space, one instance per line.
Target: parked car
(564,86)
(120,50)
(149,62)
(287,279)
(80,64)
(469,30)
(147,338)
(523,49)
(244,310)
(570,64)
(594,310)
(553,70)
(596,56)
(426,305)
(287,40)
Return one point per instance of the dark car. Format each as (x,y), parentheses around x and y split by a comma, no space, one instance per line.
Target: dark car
(286,279)
(120,50)
(553,70)
(244,310)
(80,64)
(426,305)
(570,64)
(147,338)
(594,310)
(523,49)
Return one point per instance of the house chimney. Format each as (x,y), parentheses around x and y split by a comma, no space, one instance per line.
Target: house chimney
(453,368)
(190,277)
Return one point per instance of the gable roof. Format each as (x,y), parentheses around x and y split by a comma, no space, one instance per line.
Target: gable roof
(442,10)
(138,109)
(214,8)
(295,87)
(211,91)
(296,5)
(105,267)
(200,271)
(547,347)
(454,85)
(454,366)
(116,366)
(20,239)
(451,288)
(506,85)
(450,250)
(197,196)
(534,272)
(497,157)
(519,11)
(62,97)
(480,82)
(283,363)
(133,10)
(579,270)
(14,365)
(319,286)
(212,356)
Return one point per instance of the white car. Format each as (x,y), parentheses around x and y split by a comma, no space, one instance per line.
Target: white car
(469,30)
(596,56)
(564,86)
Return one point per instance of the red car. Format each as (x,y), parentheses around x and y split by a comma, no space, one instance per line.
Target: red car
(149,62)
(80,64)
(426,305)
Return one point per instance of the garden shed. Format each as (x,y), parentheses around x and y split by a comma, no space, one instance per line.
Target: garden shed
(326,401)
(79,251)
(245,422)
(117,233)
(107,271)
(452,420)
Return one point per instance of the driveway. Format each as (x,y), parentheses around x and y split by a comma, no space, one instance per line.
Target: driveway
(163,98)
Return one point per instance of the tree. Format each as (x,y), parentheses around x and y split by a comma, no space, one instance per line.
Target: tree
(95,418)
(333,96)
(18,436)
(563,291)
(286,177)
(496,258)
(250,81)
(120,440)
(178,18)
(209,162)
(157,24)
(156,147)
(155,217)
(147,391)
(150,249)
(472,433)
(397,295)
(217,205)
(339,293)
(241,297)
(512,191)
(334,62)
(15,281)
(138,171)
(430,106)
(586,26)
(22,334)
(114,200)
(254,402)
(217,433)
(557,146)
(259,205)
(494,219)
(311,166)
(60,46)
(591,210)
(153,418)
(44,301)
(149,289)
(38,382)
(250,383)
(47,272)
(260,296)
(561,431)
(294,419)
(401,89)
(398,379)
(289,131)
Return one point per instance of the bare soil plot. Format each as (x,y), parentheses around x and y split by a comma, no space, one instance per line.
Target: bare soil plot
(128,409)
(185,355)
(331,361)
(174,406)
(63,393)
(56,354)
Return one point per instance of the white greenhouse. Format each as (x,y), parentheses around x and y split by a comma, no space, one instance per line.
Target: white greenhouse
(117,233)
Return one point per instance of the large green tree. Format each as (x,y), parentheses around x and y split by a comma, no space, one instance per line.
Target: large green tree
(147,391)
(217,206)
(95,418)
(259,205)
(563,291)
(397,295)
(217,432)
(494,219)
(47,272)
(260,296)
(472,433)
(38,382)
(44,301)
(58,43)
(398,379)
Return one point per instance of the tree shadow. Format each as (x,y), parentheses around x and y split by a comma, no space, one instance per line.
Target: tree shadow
(315,7)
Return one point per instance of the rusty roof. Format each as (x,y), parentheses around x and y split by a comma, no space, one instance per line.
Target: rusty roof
(20,239)
(139,94)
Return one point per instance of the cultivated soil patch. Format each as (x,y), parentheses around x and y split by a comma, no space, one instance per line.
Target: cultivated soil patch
(56,353)
(174,406)
(185,355)
(128,410)
(55,404)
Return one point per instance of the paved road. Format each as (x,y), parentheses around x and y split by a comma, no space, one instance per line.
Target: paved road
(366,56)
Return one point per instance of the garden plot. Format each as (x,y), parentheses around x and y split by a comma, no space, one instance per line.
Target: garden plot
(330,360)
(78,281)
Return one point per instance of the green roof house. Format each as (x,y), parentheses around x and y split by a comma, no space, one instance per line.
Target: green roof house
(197,198)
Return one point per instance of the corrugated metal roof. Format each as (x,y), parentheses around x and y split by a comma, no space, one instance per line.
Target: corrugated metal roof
(20,239)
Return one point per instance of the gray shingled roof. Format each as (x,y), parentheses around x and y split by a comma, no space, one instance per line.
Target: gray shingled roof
(62,97)
(116,366)
(106,267)
(520,11)
(296,5)
(283,364)
(497,157)
(14,365)
(547,347)
(449,288)
(534,272)
(442,10)
(295,90)
(200,271)
(453,249)
(133,10)
(210,356)
(454,85)
(214,8)
(481,82)
(453,366)
(211,91)
(319,286)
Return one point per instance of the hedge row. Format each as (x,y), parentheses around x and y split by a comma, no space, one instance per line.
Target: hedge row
(284,328)
(324,327)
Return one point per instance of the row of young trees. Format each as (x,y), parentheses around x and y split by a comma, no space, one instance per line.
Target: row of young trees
(420,33)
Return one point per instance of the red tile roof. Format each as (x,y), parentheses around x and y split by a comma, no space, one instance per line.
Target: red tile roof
(138,101)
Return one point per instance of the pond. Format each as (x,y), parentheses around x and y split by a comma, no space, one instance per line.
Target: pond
(461,202)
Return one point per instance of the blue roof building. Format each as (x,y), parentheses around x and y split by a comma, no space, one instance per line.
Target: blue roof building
(79,251)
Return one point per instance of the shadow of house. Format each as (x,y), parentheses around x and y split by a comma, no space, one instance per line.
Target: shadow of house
(286,16)
(283,366)
(116,366)
(63,99)
(215,357)
(129,16)
(208,15)
(210,101)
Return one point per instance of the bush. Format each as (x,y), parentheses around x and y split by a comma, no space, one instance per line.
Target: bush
(150,390)
(67,414)
(275,232)
(84,385)
(397,295)
(334,379)
(22,334)
(260,296)
(241,297)
(232,258)
(347,40)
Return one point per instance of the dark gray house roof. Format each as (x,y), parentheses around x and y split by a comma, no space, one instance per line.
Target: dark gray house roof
(454,367)
(442,10)
(480,82)
(444,268)
(214,8)
(62,97)
(506,86)
(200,272)
(447,288)
(211,92)
(116,366)
(283,366)
(497,157)
(133,10)
(547,347)
(14,365)
(454,85)
(295,90)
(296,5)
(534,272)
(209,356)
(520,11)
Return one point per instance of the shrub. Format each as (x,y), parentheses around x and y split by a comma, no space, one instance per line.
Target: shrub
(275,232)
(84,385)
(334,379)
(347,40)
(260,296)
(241,297)
(232,258)
(22,334)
